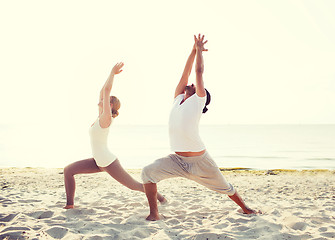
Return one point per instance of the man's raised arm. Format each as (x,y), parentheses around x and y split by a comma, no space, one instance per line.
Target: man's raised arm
(199,66)
(187,71)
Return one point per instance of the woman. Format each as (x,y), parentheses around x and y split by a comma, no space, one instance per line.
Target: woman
(103,159)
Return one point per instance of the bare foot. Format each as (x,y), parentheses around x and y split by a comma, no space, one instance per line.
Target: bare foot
(162,200)
(249,211)
(153,217)
(68,207)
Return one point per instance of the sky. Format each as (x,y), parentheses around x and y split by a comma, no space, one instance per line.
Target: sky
(269,62)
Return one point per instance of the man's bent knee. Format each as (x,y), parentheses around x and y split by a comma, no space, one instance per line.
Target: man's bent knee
(147,174)
(230,191)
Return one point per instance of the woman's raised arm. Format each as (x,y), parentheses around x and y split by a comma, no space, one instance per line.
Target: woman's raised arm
(105,117)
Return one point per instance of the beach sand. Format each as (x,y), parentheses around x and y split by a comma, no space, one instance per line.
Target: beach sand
(295,205)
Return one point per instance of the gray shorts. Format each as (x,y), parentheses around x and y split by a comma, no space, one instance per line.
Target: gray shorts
(201,169)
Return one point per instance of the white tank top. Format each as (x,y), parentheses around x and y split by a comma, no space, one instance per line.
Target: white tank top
(184,124)
(99,139)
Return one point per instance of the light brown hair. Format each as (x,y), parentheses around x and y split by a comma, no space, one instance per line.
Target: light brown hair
(115,106)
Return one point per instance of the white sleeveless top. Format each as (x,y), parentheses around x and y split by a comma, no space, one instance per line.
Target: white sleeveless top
(184,124)
(99,138)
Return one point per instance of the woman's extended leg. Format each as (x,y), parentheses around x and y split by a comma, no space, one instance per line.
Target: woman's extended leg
(119,174)
(79,167)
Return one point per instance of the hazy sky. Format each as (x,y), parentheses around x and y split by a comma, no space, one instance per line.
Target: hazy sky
(268,61)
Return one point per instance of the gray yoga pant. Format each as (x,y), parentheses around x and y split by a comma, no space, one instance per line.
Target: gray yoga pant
(201,169)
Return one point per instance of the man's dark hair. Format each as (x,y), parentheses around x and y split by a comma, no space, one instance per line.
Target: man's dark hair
(208,100)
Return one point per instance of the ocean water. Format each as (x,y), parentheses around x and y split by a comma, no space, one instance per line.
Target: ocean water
(231,146)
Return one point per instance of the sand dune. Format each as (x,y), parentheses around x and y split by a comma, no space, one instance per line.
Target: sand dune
(295,205)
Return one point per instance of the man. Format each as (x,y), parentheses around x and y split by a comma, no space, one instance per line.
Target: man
(191,159)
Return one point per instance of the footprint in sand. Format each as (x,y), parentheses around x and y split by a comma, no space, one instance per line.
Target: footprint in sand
(8,229)
(29,201)
(79,212)
(57,232)
(173,222)
(293,237)
(41,214)
(17,235)
(103,208)
(141,233)
(297,225)
(59,218)
(195,207)
(8,218)
(239,220)
(4,202)
(328,234)
(221,226)
(241,228)
(117,220)
(14,233)
(96,237)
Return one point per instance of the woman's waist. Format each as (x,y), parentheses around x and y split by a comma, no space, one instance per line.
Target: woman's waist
(99,144)
(100,150)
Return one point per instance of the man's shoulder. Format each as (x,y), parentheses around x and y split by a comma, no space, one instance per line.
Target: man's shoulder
(198,98)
